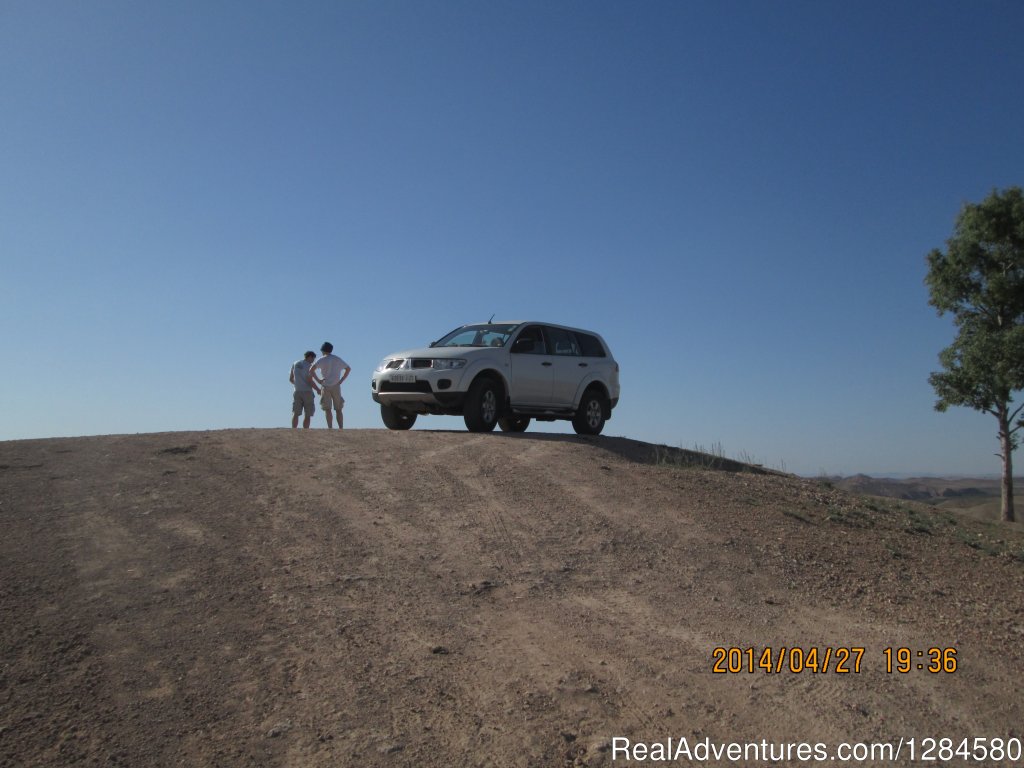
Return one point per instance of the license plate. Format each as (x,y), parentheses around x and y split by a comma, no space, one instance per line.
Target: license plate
(403,378)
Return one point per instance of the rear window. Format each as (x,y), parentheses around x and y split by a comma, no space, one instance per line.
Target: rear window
(591,345)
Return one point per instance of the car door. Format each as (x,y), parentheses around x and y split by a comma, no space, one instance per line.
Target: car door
(569,368)
(598,364)
(532,368)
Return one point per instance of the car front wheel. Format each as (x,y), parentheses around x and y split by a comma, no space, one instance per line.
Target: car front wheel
(481,410)
(394,418)
(589,419)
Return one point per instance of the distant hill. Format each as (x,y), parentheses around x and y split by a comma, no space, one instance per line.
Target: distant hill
(433,599)
(980,497)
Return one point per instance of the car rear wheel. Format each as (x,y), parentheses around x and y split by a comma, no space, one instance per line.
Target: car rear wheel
(514,423)
(589,419)
(481,409)
(394,418)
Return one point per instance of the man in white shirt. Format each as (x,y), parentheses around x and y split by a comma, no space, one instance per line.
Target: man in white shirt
(334,370)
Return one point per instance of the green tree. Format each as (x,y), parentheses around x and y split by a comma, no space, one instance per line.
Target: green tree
(979,279)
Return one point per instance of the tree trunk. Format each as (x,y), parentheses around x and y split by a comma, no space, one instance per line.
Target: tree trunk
(1006,443)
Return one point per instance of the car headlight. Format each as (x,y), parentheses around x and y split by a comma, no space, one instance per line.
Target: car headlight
(446,364)
(382,364)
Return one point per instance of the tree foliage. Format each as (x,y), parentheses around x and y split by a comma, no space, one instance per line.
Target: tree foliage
(981,274)
(982,368)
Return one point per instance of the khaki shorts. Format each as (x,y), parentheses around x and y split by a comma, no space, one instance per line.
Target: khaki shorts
(303,401)
(332,396)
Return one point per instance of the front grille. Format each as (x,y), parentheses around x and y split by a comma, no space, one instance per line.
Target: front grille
(413,386)
(420,362)
(393,364)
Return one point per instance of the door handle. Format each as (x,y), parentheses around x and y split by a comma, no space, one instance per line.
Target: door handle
(546,365)
(583,365)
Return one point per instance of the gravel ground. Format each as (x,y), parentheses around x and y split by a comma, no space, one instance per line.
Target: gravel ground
(373,598)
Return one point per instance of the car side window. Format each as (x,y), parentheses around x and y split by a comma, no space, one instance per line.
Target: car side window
(530,342)
(590,345)
(561,342)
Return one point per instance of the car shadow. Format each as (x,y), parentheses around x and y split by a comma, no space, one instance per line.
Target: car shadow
(640,452)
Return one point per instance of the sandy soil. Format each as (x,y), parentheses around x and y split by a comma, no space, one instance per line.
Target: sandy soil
(368,598)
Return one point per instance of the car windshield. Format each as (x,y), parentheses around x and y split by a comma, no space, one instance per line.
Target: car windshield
(487,335)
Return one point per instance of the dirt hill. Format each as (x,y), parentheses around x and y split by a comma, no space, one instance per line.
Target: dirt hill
(369,598)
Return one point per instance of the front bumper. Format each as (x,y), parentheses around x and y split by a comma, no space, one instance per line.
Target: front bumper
(430,391)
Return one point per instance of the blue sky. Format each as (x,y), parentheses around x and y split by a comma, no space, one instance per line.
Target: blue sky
(738,195)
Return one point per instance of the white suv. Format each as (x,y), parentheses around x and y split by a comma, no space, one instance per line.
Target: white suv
(504,374)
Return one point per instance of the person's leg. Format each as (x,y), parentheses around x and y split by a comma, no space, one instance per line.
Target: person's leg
(305,422)
(296,407)
(295,420)
(330,421)
(308,407)
(332,397)
(341,419)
